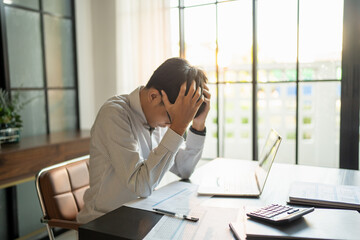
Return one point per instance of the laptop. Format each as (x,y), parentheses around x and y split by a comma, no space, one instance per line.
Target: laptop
(234,177)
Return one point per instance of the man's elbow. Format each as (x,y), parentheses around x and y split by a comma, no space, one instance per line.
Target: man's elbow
(144,194)
(186,174)
(144,191)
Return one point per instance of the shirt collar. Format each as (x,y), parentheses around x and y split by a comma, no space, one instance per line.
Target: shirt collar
(135,104)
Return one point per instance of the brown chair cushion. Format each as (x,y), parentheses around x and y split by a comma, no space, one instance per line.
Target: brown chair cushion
(63,189)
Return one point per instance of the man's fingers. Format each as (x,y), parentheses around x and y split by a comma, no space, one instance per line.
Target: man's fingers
(192,89)
(182,90)
(197,94)
(206,87)
(207,93)
(200,101)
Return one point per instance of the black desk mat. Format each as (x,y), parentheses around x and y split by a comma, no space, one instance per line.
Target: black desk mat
(122,223)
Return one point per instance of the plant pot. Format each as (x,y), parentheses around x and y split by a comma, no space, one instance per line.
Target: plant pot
(9,135)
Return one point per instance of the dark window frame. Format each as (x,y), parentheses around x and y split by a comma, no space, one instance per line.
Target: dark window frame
(350,100)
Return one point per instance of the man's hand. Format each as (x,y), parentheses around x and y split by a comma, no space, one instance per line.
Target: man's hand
(199,122)
(184,109)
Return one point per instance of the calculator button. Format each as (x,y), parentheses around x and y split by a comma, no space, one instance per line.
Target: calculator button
(292,211)
(278,214)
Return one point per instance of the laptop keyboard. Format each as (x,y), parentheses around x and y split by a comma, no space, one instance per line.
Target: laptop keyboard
(238,183)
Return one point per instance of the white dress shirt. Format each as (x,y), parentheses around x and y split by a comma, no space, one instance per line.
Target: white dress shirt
(128,160)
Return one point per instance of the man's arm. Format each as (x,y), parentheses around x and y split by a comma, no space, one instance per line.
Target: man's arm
(187,158)
(113,134)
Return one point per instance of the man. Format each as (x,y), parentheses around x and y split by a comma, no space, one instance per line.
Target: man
(137,138)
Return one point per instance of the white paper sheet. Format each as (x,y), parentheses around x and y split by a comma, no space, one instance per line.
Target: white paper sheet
(342,195)
(176,196)
(213,224)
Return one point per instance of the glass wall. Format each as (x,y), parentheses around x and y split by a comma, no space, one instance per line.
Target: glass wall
(297,79)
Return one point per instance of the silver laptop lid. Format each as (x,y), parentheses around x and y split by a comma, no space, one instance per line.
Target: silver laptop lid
(267,157)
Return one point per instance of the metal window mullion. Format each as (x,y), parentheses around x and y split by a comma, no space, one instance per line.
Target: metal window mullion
(47,118)
(181,29)
(297,86)
(350,99)
(16,6)
(57,15)
(76,84)
(12,5)
(220,131)
(5,53)
(254,83)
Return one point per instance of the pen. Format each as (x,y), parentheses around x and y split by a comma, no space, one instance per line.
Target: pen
(178,215)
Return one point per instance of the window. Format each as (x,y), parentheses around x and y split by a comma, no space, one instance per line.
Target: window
(39,46)
(295,75)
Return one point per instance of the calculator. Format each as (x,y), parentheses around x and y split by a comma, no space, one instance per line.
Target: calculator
(278,214)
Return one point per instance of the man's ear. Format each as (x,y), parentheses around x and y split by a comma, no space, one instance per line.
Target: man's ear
(154,96)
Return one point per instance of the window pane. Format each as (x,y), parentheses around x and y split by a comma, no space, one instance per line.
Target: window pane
(58,7)
(174,32)
(24,48)
(319,123)
(236,119)
(277,40)
(59,52)
(174,3)
(197,2)
(62,110)
(29,211)
(210,148)
(33,114)
(235,41)
(25,3)
(277,109)
(200,38)
(320,39)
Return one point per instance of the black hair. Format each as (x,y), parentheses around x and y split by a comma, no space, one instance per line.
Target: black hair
(171,74)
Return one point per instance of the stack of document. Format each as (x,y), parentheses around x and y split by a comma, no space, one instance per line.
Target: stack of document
(325,195)
(321,224)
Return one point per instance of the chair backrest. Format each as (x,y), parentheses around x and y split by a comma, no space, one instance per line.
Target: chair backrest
(61,188)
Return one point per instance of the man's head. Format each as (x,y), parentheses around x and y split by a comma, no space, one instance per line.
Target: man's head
(170,75)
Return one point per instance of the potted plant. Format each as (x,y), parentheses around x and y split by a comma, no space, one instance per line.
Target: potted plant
(10,119)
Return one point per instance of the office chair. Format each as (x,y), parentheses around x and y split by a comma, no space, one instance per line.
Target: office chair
(60,189)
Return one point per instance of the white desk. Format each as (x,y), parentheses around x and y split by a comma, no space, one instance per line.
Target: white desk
(132,223)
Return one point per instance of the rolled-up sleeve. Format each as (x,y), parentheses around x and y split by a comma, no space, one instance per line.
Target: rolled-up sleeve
(188,155)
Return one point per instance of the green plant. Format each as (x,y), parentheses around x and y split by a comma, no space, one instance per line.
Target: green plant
(9,110)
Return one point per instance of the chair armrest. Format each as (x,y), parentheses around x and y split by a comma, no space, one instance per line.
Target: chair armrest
(64,224)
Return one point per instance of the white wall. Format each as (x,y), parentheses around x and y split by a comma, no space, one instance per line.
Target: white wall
(96,56)
(119,45)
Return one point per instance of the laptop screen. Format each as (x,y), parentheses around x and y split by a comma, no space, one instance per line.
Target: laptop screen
(267,157)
